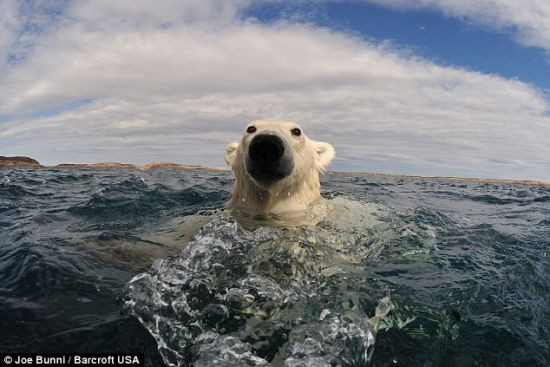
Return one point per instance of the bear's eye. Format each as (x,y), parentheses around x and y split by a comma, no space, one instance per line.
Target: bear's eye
(296,132)
(251,129)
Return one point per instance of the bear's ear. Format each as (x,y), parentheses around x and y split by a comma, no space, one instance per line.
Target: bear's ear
(325,154)
(231,153)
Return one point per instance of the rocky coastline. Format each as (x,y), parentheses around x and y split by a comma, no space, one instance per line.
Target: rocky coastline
(19,162)
(26,162)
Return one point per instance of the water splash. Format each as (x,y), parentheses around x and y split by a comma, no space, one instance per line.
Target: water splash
(262,297)
(469,275)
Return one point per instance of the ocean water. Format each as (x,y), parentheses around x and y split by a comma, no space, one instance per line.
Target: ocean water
(401,272)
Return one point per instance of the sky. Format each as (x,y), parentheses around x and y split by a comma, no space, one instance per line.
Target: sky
(420,87)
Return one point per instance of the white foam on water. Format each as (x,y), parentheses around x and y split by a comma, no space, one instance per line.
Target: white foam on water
(267,296)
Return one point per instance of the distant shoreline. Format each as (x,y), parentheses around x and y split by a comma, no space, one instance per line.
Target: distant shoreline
(145,167)
(25,162)
(446,178)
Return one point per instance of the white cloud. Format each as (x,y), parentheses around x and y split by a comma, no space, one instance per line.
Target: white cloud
(142,14)
(180,84)
(8,26)
(528,20)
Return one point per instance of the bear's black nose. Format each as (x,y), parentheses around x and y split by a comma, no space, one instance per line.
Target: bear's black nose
(266,148)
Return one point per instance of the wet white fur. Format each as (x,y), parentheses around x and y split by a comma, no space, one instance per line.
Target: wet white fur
(295,192)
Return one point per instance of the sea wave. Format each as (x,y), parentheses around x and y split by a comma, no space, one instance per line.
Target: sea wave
(463,269)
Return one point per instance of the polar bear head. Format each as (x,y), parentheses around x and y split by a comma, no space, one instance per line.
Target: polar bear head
(276,167)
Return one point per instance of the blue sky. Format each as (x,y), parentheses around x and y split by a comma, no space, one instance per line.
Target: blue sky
(427,33)
(447,41)
(427,87)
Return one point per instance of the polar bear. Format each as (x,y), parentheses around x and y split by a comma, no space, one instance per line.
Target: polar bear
(276,168)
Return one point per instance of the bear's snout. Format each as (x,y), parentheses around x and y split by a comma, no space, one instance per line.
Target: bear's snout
(266,148)
(267,162)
